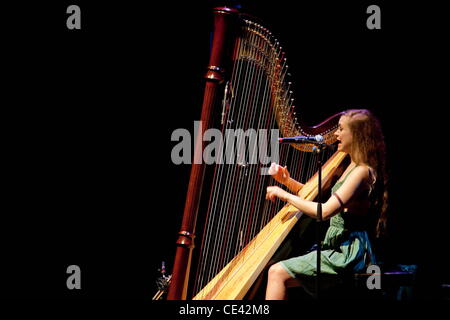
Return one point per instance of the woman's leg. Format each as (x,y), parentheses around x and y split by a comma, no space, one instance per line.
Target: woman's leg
(277,283)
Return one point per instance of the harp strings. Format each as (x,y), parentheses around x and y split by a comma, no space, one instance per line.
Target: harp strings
(248,84)
(255,114)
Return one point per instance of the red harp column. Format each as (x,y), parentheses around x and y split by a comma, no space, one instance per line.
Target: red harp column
(220,50)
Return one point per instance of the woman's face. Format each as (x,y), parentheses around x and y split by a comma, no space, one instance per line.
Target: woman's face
(344,135)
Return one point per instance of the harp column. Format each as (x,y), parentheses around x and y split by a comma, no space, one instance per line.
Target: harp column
(220,50)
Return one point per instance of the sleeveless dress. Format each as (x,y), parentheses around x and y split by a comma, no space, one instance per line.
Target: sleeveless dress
(345,249)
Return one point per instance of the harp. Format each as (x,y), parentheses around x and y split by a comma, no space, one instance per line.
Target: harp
(237,231)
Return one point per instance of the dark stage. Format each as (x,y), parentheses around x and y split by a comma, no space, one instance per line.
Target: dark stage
(88,116)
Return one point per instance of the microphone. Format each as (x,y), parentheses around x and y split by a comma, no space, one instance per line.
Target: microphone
(318,139)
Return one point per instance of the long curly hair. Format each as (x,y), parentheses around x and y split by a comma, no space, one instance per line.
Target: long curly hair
(369,147)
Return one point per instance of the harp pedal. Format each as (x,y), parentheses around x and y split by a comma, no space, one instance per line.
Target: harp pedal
(162,283)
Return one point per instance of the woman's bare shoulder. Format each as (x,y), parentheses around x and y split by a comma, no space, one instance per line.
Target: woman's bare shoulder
(366,174)
(362,172)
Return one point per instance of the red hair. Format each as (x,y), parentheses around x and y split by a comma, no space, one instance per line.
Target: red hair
(368,147)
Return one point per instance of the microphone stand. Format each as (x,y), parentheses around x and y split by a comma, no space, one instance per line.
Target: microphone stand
(318,146)
(316,150)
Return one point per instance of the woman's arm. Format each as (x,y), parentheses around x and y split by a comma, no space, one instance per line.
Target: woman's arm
(294,185)
(281,174)
(355,183)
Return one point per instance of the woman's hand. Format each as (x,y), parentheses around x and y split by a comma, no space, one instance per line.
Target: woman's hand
(279,173)
(276,192)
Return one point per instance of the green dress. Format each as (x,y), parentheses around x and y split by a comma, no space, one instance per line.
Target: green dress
(345,249)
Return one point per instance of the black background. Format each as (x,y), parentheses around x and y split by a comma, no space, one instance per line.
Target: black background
(87,117)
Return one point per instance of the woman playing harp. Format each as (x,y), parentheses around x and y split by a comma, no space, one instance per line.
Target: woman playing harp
(357,197)
(237,232)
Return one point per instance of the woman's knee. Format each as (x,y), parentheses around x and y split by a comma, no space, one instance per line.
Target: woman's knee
(278,272)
